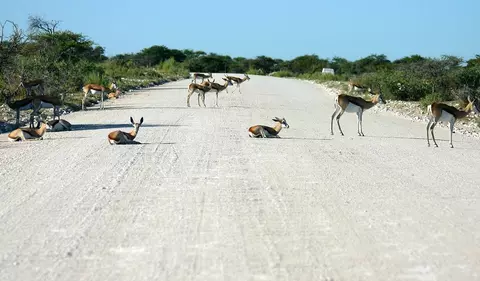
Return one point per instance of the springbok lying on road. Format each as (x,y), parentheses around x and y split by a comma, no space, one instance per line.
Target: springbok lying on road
(120,137)
(23,134)
(59,125)
(201,89)
(114,95)
(217,88)
(93,88)
(262,131)
(238,81)
(346,103)
(202,76)
(445,113)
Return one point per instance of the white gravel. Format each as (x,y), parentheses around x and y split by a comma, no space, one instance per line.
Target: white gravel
(200,200)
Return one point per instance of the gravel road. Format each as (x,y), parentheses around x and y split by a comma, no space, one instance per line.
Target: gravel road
(200,200)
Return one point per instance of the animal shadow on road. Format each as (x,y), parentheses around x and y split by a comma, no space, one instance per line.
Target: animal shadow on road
(294,138)
(143,107)
(146,143)
(164,143)
(409,138)
(171,88)
(86,127)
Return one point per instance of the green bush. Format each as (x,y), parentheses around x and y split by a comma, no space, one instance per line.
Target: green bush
(435,97)
(283,74)
(172,67)
(95,78)
(322,77)
(253,71)
(396,85)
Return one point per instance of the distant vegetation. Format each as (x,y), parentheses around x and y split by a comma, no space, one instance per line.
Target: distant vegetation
(67,60)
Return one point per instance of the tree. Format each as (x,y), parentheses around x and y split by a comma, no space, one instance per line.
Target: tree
(474,62)
(371,63)
(410,59)
(264,63)
(239,65)
(10,50)
(341,65)
(37,25)
(307,64)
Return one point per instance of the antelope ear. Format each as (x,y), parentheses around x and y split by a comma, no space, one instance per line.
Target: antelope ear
(131,120)
(141,121)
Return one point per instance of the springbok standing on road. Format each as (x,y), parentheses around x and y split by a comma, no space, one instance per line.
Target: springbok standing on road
(445,113)
(202,76)
(37,104)
(201,89)
(120,137)
(238,81)
(261,131)
(346,103)
(218,88)
(93,88)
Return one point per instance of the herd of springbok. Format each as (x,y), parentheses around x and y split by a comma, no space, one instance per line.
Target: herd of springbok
(210,86)
(437,112)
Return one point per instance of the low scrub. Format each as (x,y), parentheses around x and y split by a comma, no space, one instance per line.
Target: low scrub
(435,97)
(282,74)
(253,71)
(322,77)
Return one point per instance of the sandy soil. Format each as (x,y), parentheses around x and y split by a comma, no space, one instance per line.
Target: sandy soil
(200,200)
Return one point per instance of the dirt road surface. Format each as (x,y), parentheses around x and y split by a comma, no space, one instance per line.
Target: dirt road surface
(200,200)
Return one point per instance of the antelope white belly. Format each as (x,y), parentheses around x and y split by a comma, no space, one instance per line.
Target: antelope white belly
(353,108)
(446,117)
(92,91)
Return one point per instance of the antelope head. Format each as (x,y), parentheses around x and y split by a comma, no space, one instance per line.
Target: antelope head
(377,97)
(471,105)
(282,121)
(228,81)
(136,126)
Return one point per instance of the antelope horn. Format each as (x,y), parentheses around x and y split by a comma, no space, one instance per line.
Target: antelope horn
(468,98)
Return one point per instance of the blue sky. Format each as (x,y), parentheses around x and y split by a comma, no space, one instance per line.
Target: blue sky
(281,29)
